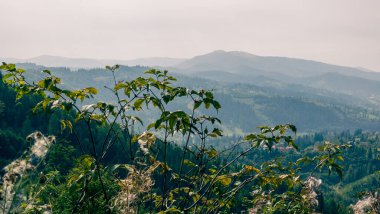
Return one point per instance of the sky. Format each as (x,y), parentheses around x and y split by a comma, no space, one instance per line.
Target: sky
(342,32)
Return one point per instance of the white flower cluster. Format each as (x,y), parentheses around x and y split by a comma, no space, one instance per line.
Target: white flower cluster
(20,167)
(310,193)
(313,187)
(145,141)
(136,183)
(367,205)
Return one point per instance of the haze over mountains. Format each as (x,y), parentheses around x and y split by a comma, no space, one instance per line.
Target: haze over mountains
(241,67)
(253,90)
(248,64)
(77,63)
(216,60)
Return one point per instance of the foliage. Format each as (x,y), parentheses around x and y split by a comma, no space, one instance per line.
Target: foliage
(245,105)
(196,179)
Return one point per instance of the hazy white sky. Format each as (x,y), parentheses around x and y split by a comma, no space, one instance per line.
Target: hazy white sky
(345,32)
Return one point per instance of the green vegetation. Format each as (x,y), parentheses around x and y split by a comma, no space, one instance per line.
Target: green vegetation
(141,154)
(245,106)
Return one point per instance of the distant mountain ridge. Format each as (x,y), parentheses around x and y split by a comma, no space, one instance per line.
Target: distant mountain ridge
(242,67)
(244,63)
(245,105)
(279,72)
(230,61)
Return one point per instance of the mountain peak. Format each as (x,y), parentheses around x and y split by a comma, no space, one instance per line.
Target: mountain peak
(243,63)
(231,53)
(219,60)
(218,52)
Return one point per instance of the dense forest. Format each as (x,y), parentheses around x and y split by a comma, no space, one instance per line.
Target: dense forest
(157,146)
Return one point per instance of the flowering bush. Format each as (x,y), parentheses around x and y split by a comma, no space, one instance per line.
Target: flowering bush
(200,179)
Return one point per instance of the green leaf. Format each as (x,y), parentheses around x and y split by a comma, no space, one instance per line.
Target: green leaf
(224,180)
(119,86)
(46,72)
(188,163)
(207,104)
(150,126)
(197,103)
(216,133)
(216,105)
(293,128)
(138,103)
(6,76)
(172,210)
(135,118)
(252,169)
(212,153)
(91,90)
(158,123)
(152,71)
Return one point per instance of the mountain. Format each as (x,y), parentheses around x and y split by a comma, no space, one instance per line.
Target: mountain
(355,86)
(244,105)
(58,61)
(254,90)
(153,61)
(77,63)
(248,64)
(239,103)
(241,67)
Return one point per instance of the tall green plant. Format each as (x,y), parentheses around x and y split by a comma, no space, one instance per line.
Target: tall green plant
(200,180)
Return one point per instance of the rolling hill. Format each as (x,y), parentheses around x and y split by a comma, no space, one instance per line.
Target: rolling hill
(240,67)
(253,90)
(246,105)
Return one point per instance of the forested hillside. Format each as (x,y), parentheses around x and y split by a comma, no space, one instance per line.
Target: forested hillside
(190,107)
(246,105)
(157,144)
(283,72)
